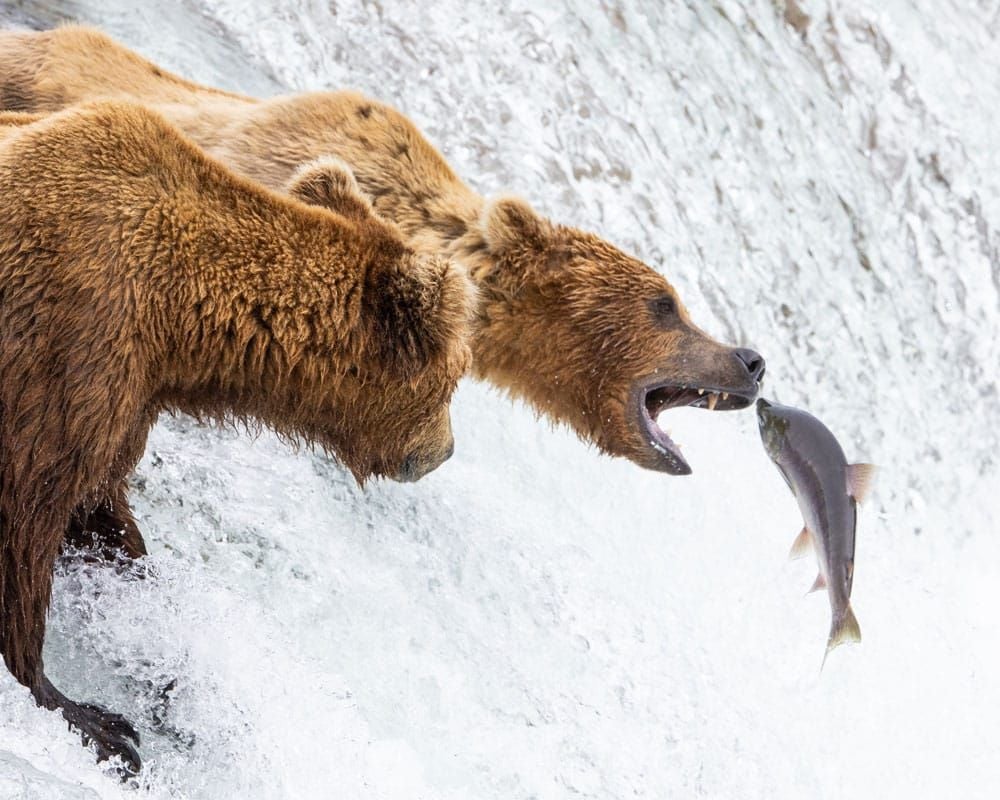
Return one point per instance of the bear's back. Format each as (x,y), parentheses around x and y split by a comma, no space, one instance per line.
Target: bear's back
(91,148)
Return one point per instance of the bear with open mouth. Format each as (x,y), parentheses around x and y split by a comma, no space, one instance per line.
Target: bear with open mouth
(587,334)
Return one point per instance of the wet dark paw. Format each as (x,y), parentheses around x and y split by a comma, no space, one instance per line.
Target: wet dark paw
(111,734)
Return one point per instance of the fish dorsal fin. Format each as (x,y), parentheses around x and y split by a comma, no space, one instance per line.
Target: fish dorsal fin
(819,583)
(859,480)
(802,545)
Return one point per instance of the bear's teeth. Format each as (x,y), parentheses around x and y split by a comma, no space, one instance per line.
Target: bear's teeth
(712,400)
(725,395)
(701,391)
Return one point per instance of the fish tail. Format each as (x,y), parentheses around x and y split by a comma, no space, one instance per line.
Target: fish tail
(845,628)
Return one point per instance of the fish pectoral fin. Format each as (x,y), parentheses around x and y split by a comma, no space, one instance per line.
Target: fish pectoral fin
(859,480)
(819,583)
(802,545)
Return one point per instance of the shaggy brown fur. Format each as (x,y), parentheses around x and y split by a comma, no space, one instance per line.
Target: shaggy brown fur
(138,275)
(589,335)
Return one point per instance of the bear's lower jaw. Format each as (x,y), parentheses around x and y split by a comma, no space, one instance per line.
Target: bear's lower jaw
(663,454)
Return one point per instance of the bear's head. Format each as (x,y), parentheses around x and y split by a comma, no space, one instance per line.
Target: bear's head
(595,338)
(410,341)
(417,313)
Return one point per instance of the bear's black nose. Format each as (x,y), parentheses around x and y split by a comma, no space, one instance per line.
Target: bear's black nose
(408,471)
(753,361)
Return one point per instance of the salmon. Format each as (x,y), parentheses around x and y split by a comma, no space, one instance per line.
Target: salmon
(828,491)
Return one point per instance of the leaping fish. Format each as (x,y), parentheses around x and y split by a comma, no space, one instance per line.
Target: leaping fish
(828,491)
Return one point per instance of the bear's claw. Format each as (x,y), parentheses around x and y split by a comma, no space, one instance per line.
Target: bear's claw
(110,733)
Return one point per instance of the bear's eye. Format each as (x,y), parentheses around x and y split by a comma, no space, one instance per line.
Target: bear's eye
(664,308)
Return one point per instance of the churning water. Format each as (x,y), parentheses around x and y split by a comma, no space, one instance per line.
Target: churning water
(534,620)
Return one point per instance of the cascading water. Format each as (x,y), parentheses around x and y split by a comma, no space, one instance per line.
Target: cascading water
(534,620)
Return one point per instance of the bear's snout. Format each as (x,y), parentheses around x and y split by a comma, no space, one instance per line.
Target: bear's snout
(418,464)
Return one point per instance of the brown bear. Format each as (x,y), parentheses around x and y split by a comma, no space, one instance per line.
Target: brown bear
(139,275)
(587,334)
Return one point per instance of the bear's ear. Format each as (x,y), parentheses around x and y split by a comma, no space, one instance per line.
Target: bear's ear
(420,310)
(509,223)
(330,183)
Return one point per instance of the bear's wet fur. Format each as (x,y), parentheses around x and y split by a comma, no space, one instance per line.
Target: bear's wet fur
(589,335)
(138,275)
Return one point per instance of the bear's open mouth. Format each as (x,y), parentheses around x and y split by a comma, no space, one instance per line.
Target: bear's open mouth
(657,399)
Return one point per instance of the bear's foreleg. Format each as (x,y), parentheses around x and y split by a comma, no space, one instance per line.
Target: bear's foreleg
(64,446)
(108,528)
(30,548)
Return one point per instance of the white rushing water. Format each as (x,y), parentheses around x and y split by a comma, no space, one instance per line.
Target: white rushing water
(535,620)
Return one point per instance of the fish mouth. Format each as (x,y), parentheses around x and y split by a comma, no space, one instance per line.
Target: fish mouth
(655,399)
